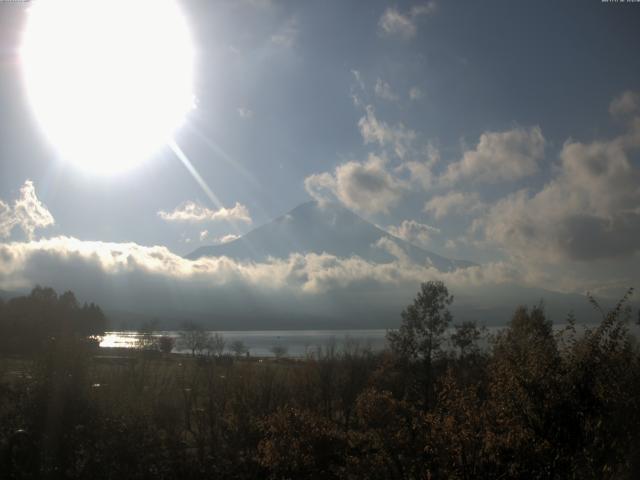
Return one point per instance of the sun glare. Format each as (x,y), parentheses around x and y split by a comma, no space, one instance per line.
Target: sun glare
(109,80)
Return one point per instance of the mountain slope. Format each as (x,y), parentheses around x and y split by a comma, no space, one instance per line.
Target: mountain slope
(315,228)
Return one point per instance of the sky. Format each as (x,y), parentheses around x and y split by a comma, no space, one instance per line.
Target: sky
(504,133)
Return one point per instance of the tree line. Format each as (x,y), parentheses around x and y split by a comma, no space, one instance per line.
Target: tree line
(28,322)
(529,402)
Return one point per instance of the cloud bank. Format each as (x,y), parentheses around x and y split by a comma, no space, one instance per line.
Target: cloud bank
(131,276)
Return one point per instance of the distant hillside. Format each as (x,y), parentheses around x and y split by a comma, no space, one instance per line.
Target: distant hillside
(315,228)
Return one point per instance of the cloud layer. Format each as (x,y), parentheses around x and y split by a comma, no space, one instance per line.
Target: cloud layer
(27,263)
(155,281)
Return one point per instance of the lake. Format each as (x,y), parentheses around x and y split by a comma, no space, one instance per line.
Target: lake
(260,342)
(298,343)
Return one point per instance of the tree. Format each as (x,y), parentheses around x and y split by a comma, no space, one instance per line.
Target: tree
(423,323)
(465,338)
(28,322)
(421,333)
(239,348)
(193,337)
(166,343)
(216,344)
(146,338)
(279,351)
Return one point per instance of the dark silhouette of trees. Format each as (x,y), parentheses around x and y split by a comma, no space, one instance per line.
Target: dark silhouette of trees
(421,333)
(198,341)
(27,322)
(216,344)
(147,338)
(238,348)
(279,351)
(534,402)
(424,323)
(465,338)
(166,344)
(193,337)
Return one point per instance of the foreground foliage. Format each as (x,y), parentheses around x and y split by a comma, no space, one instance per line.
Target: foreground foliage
(535,403)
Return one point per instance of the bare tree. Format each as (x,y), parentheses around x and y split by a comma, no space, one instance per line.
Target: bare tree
(146,337)
(193,338)
(279,351)
(166,343)
(238,347)
(216,344)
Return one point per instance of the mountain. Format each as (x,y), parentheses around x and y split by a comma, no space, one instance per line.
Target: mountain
(323,228)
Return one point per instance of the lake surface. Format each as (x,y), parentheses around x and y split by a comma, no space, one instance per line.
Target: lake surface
(297,343)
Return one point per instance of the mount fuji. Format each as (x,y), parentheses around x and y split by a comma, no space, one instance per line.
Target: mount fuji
(324,228)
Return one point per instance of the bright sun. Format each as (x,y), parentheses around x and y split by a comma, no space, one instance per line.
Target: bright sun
(110,80)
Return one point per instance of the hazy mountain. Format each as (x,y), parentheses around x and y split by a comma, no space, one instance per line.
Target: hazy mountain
(322,228)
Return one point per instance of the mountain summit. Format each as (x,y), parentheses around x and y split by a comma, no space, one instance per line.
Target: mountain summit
(324,228)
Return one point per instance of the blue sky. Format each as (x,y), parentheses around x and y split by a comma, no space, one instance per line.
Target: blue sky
(502,132)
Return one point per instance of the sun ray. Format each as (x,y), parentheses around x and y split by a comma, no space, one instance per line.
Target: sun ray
(173,145)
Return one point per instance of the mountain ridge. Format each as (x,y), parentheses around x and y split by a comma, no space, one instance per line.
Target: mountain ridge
(329,228)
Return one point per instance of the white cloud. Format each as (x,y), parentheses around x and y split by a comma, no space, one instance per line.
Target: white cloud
(78,264)
(227,238)
(625,104)
(421,172)
(245,113)
(589,210)
(358,77)
(416,93)
(27,212)
(7,221)
(205,236)
(394,22)
(376,185)
(414,232)
(364,186)
(452,202)
(392,248)
(500,156)
(423,9)
(383,90)
(357,89)
(287,34)
(195,213)
(374,131)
